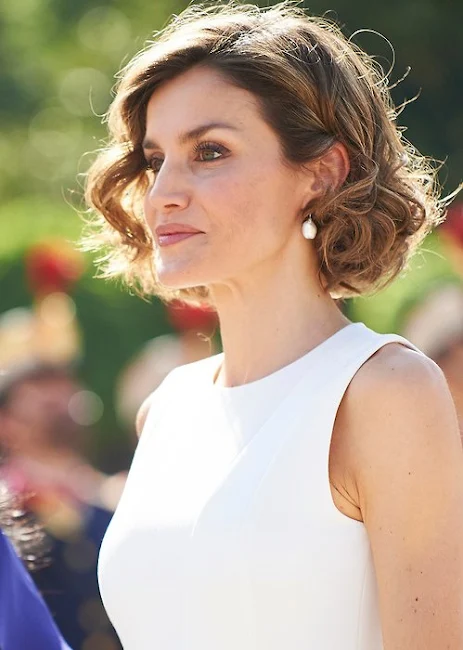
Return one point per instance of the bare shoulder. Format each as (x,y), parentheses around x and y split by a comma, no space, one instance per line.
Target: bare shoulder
(143,414)
(393,364)
(397,405)
(406,459)
(397,384)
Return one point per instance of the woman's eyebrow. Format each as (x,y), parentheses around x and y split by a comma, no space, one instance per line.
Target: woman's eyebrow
(193,134)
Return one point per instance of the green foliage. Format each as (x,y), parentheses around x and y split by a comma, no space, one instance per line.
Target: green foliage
(384,311)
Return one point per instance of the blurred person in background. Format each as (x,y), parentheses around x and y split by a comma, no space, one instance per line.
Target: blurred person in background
(25,622)
(191,340)
(434,323)
(45,415)
(45,467)
(303,489)
(451,235)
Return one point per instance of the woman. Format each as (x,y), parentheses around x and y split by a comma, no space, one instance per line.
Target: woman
(25,621)
(304,489)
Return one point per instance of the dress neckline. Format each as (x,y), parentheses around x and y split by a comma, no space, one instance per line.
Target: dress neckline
(216,362)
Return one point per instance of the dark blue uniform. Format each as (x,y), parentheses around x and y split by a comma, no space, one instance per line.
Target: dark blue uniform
(25,622)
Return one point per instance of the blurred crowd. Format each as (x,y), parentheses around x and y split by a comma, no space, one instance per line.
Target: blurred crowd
(434,320)
(47,418)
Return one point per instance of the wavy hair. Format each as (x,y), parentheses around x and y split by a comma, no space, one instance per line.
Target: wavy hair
(314,87)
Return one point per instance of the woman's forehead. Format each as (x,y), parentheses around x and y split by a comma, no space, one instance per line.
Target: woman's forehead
(198,97)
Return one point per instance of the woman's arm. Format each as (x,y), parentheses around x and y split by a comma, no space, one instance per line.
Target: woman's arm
(409,478)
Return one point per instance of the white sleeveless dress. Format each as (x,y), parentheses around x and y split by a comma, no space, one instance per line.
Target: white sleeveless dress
(226,536)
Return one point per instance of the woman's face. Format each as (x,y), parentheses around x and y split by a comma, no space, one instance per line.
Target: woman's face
(221,203)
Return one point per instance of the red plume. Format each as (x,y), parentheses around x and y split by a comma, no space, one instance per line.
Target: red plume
(52,266)
(186,317)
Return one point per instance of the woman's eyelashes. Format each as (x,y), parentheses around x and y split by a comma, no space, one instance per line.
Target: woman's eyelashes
(205,152)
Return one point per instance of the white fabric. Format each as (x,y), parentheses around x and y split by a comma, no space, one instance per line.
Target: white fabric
(226,536)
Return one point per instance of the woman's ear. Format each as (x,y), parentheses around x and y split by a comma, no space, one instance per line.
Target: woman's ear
(331,169)
(337,164)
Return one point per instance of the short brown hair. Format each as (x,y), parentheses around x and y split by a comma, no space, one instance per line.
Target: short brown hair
(314,87)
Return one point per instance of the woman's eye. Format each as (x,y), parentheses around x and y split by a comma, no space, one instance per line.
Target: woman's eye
(208,151)
(154,164)
(209,155)
(205,152)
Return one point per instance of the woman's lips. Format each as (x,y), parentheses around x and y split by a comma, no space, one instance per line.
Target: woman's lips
(173,238)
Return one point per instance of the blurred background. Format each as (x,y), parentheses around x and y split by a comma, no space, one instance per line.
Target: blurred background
(68,451)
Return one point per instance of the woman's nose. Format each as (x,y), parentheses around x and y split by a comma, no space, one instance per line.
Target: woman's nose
(168,190)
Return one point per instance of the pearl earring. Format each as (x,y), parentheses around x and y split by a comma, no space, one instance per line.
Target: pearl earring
(309,229)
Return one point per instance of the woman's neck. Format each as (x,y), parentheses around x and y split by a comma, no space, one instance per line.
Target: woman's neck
(267,325)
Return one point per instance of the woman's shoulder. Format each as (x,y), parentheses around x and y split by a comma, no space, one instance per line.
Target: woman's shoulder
(395,376)
(396,363)
(398,402)
(407,469)
(397,414)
